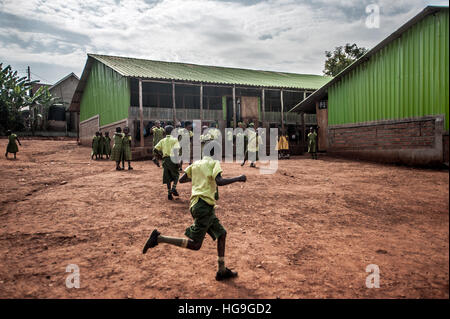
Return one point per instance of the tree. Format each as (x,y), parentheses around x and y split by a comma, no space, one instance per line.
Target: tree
(341,58)
(14,96)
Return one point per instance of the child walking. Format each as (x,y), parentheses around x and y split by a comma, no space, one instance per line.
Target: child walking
(107,146)
(158,135)
(126,148)
(12,146)
(205,175)
(116,153)
(165,149)
(312,143)
(101,145)
(95,145)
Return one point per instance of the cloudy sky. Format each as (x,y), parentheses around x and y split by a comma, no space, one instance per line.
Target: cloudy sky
(53,36)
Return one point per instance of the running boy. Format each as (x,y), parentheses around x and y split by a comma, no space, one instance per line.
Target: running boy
(12,146)
(206,175)
(165,149)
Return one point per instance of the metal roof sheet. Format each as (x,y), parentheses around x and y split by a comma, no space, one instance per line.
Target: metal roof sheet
(308,104)
(149,69)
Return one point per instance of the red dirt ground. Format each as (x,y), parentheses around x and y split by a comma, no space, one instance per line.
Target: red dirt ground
(309,231)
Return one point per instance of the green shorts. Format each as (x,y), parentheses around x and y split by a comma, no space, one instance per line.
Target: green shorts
(170,171)
(205,221)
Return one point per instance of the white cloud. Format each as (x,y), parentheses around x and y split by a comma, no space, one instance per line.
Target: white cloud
(272,35)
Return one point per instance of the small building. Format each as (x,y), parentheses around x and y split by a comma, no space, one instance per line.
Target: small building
(120,91)
(59,116)
(392,104)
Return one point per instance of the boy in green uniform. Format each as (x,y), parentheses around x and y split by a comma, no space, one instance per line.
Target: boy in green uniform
(116,153)
(107,146)
(158,135)
(312,144)
(206,175)
(101,145)
(12,146)
(126,148)
(95,143)
(166,148)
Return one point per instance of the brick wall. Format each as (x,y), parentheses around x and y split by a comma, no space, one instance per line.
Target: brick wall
(445,146)
(411,141)
(88,129)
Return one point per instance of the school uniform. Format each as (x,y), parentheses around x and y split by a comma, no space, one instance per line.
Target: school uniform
(126,147)
(168,146)
(312,144)
(107,146)
(101,145)
(158,135)
(95,145)
(116,152)
(203,175)
(12,145)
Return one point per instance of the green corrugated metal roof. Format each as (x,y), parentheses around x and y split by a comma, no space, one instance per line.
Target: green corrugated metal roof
(150,69)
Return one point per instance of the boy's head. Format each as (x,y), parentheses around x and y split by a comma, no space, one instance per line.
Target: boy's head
(118,129)
(168,129)
(97,133)
(178,124)
(8,132)
(100,133)
(126,130)
(311,129)
(157,123)
(204,128)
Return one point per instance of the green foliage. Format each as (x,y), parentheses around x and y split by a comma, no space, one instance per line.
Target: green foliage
(341,58)
(14,96)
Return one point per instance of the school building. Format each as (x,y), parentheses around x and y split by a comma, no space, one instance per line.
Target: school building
(119,91)
(392,104)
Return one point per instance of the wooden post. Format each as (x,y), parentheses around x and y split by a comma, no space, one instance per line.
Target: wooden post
(201,102)
(302,121)
(282,110)
(263,106)
(173,103)
(141,115)
(234,106)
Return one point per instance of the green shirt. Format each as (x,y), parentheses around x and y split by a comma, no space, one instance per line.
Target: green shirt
(167,146)
(158,134)
(203,174)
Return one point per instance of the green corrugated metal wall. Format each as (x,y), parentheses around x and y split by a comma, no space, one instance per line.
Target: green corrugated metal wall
(107,94)
(407,78)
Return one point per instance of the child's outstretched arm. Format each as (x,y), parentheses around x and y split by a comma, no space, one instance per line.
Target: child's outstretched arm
(220,181)
(184,179)
(18,141)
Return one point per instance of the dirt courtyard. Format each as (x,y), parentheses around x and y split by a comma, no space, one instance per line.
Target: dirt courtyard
(308,231)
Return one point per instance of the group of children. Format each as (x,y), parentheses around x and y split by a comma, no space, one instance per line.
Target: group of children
(101,145)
